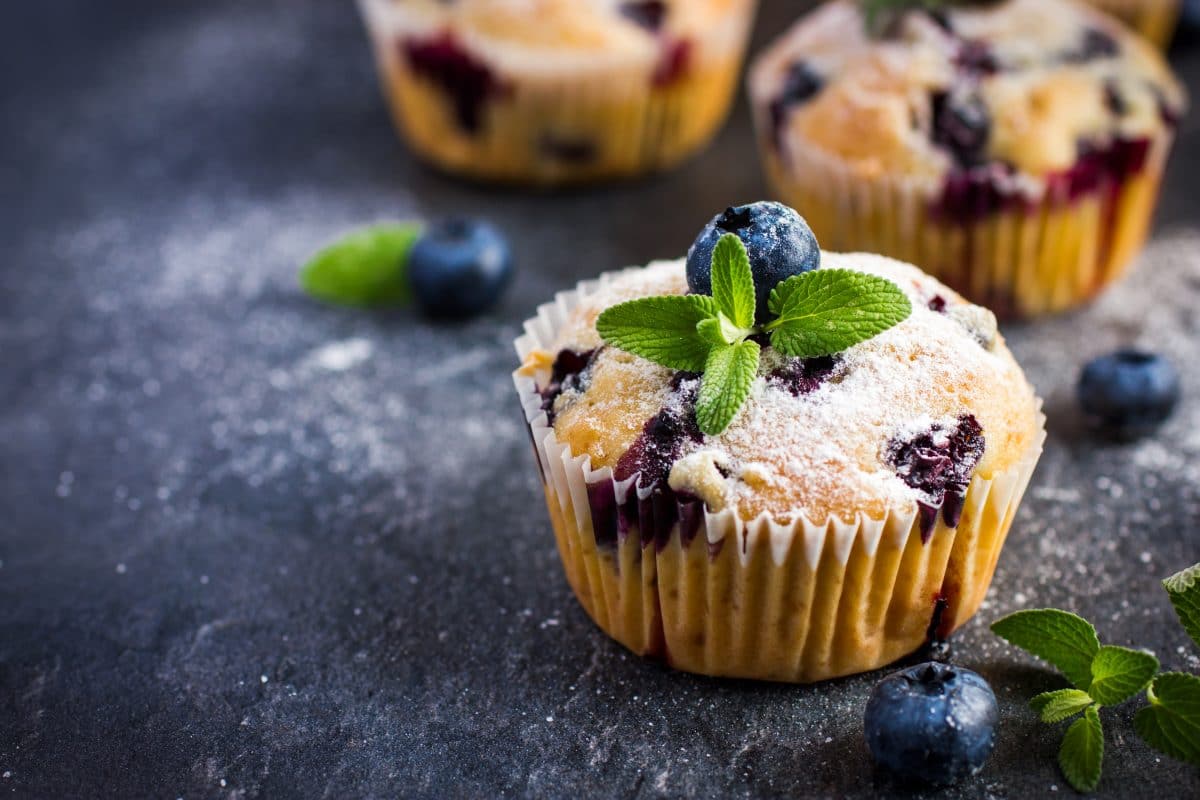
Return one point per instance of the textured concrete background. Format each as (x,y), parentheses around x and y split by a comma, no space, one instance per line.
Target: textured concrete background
(251,546)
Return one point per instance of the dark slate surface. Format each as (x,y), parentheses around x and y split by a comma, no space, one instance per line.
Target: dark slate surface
(255,547)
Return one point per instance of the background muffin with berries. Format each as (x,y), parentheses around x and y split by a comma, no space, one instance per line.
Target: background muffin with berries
(1014,149)
(552,91)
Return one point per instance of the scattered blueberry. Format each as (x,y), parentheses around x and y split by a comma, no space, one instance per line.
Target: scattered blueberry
(459,267)
(932,723)
(1129,392)
(778,240)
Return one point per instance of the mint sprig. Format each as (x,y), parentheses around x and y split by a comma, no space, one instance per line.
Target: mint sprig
(1081,755)
(1067,641)
(660,329)
(816,313)
(1106,675)
(365,268)
(1183,588)
(1171,723)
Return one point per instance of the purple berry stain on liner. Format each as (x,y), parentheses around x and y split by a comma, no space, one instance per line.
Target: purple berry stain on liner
(469,82)
(570,371)
(938,463)
(650,503)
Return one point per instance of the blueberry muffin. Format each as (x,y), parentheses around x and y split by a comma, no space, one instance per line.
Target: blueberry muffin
(1154,19)
(553,91)
(1014,149)
(854,507)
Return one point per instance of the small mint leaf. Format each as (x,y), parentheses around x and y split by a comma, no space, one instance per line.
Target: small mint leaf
(660,329)
(1184,590)
(365,268)
(733,281)
(720,330)
(728,376)
(1058,705)
(1081,755)
(712,330)
(828,310)
(1067,641)
(1171,723)
(1119,673)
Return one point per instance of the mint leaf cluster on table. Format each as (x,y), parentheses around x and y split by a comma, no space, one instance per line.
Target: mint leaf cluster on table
(1106,675)
(771,289)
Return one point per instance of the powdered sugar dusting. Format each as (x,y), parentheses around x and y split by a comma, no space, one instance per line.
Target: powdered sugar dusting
(823,451)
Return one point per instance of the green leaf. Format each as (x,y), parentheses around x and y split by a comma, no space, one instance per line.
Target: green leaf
(733,281)
(828,310)
(1058,705)
(1119,673)
(365,268)
(1171,723)
(660,329)
(1081,755)
(1065,640)
(728,376)
(719,330)
(1184,590)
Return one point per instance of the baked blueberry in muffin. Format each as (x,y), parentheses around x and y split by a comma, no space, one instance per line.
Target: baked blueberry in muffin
(849,501)
(558,90)
(1012,148)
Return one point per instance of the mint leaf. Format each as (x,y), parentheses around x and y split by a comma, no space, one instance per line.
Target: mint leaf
(1119,673)
(1184,590)
(365,268)
(1081,755)
(1058,705)
(660,329)
(828,310)
(728,376)
(733,281)
(1171,723)
(1065,640)
(719,330)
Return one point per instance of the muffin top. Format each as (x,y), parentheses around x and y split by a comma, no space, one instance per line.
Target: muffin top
(563,28)
(905,417)
(1032,85)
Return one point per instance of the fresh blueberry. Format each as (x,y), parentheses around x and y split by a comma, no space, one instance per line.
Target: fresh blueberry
(1129,392)
(778,240)
(962,125)
(932,723)
(459,267)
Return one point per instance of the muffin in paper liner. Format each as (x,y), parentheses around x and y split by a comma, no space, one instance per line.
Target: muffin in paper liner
(1154,19)
(1015,151)
(556,91)
(782,600)
(1043,250)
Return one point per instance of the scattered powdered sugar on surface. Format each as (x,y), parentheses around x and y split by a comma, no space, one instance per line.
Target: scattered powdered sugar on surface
(341,356)
(821,452)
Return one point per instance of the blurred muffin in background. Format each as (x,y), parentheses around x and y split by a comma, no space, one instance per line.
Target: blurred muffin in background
(1154,19)
(1013,148)
(558,91)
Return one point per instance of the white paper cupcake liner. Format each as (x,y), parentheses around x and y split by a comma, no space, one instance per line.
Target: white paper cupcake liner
(796,601)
